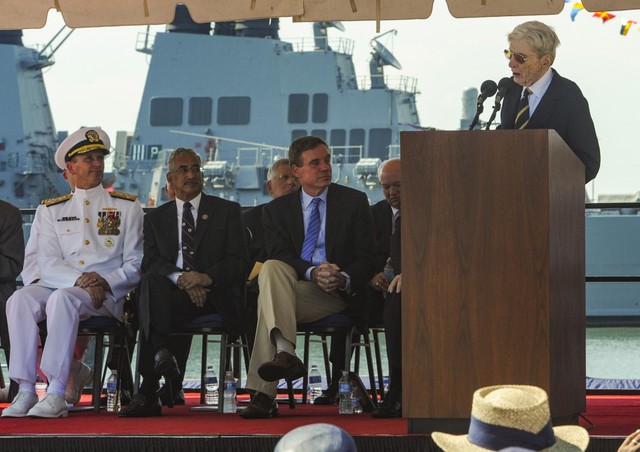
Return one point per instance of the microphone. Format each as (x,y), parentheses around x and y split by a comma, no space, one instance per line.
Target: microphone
(503,88)
(487,89)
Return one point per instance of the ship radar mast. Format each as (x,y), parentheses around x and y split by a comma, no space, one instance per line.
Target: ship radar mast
(380,57)
(320,39)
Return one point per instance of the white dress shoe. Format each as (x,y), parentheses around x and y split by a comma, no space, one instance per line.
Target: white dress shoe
(51,406)
(80,375)
(21,404)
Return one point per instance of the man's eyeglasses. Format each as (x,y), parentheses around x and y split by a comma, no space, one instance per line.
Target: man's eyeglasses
(184,170)
(519,57)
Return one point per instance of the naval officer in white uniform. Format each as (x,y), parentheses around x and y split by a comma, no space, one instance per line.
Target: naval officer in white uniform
(89,256)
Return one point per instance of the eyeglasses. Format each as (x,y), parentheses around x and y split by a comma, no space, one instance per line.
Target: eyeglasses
(519,57)
(184,170)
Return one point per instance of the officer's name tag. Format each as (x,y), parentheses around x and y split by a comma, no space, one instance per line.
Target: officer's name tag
(68,219)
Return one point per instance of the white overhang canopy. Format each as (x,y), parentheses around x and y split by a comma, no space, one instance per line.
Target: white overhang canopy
(27,14)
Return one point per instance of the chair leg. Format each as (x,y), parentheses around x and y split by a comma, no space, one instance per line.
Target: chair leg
(292,400)
(97,371)
(203,368)
(376,348)
(223,368)
(372,375)
(305,360)
(325,356)
(357,344)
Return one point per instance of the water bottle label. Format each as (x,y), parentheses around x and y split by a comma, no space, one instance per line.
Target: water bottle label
(111,386)
(315,379)
(211,380)
(345,387)
(230,386)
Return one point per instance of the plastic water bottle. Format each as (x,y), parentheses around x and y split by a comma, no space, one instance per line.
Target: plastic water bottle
(211,386)
(315,383)
(357,404)
(41,388)
(229,405)
(345,405)
(388,270)
(113,397)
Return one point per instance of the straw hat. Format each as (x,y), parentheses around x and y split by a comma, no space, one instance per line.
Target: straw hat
(513,416)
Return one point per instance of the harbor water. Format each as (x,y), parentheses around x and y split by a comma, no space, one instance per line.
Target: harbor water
(611,353)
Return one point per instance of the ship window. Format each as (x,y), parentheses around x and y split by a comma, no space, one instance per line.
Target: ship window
(356,145)
(298,108)
(338,137)
(200,111)
(234,110)
(319,133)
(320,108)
(166,111)
(379,141)
(297,133)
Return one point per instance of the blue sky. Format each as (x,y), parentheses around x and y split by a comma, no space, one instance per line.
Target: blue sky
(98,77)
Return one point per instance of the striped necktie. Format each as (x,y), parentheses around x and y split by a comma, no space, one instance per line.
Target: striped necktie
(522,118)
(313,230)
(188,243)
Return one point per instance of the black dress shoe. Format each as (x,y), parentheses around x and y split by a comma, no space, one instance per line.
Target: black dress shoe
(142,406)
(283,366)
(178,396)
(328,397)
(165,364)
(261,407)
(391,407)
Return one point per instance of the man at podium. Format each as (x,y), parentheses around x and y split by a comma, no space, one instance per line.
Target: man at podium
(547,100)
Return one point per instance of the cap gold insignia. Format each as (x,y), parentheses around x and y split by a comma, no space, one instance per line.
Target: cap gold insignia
(108,243)
(92,136)
(205,217)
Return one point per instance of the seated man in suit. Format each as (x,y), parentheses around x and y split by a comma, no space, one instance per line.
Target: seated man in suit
(544,99)
(195,263)
(319,243)
(89,254)
(11,258)
(387,221)
(280,181)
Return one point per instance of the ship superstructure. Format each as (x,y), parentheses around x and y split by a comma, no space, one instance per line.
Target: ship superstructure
(239,95)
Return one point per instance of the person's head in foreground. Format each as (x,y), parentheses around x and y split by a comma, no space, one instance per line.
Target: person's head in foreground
(316,438)
(513,417)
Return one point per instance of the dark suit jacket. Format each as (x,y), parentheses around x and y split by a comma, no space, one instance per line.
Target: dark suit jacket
(220,249)
(252,219)
(382,226)
(11,260)
(348,237)
(564,109)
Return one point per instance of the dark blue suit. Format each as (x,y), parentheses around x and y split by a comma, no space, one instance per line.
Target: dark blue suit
(564,109)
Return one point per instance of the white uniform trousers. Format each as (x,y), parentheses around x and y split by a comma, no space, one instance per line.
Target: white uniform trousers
(63,309)
(283,302)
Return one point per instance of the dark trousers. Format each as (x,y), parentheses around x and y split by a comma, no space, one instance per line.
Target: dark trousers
(393,335)
(169,308)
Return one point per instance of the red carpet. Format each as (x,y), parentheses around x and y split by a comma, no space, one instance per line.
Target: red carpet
(181,420)
(611,416)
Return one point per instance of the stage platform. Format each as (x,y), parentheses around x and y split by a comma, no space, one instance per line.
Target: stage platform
(608,418)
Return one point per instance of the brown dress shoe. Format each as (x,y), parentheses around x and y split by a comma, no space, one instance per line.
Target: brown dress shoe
(283,366)
(261,407)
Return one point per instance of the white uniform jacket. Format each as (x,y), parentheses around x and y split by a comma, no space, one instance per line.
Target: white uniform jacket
(91,230)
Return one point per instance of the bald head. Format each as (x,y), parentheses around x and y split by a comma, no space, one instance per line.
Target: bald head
(389,176)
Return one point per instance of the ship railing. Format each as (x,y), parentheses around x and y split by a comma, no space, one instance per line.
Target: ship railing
(258,156)
(402,83)
(145,41)
(346,154)
(615,208)
(338,45)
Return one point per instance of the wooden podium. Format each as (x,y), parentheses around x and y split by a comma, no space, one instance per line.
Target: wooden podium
(493,259)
